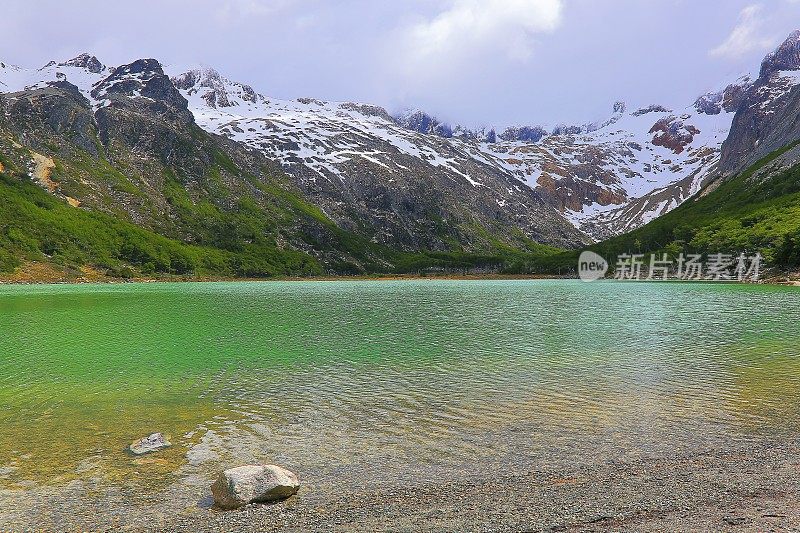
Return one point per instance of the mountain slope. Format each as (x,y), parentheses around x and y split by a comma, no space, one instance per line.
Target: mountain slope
(753,204)
(754,210)
(284,187)
(635,167)
(414,183)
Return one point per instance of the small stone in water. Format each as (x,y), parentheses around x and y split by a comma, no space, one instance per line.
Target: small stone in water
(148,444)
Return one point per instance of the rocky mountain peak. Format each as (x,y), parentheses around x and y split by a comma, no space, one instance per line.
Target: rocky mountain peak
(617,110)
(484,134)
(523,133)
(143,78)
(767,117)
(652,108)
(729,99)
(86,61)
(785,57)
(422,122)
(140,66)
(215,90)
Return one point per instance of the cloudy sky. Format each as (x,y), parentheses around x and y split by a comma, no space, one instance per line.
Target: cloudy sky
(477,62)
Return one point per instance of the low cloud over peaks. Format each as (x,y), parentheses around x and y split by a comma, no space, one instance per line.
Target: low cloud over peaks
(746,36)
(466,28)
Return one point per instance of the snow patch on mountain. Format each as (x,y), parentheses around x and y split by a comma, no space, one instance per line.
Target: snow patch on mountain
(82,71)
(322,136)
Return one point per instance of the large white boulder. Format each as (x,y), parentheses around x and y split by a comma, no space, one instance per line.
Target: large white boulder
(253,483)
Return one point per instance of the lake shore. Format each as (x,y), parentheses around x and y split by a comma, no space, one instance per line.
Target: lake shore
(749,488)
(42,274)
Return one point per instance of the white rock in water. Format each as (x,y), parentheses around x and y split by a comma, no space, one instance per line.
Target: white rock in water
(154,442)
(253,483)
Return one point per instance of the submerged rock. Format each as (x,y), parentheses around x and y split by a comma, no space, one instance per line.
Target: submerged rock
(253,483)
(148,444)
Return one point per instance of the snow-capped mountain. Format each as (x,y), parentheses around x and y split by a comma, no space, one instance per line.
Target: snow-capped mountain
(358,162)
(605,178)
(634,167)
(398,188)
(347,154)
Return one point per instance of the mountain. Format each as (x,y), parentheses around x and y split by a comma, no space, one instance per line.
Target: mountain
(754,211)
(424,199)
(108,167)
(605,177)
(208,175)
(141,187)
(767,118)
(405,184)
(753,203)
(613,177)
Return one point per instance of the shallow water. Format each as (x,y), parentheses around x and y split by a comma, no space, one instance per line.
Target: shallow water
(371,383)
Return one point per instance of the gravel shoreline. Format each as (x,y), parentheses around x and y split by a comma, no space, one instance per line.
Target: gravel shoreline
(747,489)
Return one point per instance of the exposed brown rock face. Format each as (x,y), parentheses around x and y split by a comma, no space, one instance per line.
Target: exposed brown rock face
(733,96)
(584,183)
(573,193)
(672,133)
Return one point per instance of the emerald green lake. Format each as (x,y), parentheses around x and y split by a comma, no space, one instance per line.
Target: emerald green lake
(371,384)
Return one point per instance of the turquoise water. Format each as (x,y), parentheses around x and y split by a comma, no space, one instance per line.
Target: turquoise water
(371,383)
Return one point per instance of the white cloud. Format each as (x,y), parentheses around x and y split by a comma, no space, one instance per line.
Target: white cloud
(467,27)
(746,37)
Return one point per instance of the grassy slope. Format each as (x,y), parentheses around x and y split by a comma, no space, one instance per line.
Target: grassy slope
(741,215)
